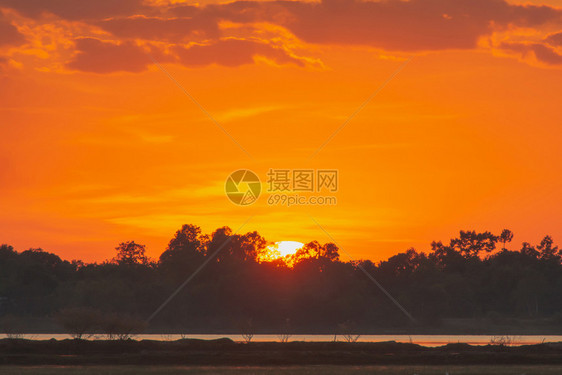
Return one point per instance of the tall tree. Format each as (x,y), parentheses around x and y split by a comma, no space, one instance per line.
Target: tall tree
(471,243)
(547,249)
(131,253)
(529,250)
(505,237)
(187,247)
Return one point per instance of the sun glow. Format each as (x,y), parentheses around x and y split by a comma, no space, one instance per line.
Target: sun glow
(281,249)
(287,247)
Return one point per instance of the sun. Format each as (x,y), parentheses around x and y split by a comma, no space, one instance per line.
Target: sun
(287,247)
(280,250)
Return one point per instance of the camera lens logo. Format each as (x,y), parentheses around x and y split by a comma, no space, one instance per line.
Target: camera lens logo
(242,187)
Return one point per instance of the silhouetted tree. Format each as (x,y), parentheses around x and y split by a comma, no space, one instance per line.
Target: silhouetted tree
(471,244)
(462,278)
(220,240)
(184,252)
(329,252)
(528,250)
(348,330)
(122,326)
(285,332)
(130,253)
(505,237)
(79,322)
(547,250)
(247,247)
(247,330)
(314,250)
(12,326)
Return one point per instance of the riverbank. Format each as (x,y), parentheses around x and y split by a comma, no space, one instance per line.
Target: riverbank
(465,326)
(225,352)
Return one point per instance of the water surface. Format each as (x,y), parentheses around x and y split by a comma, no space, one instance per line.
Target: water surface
(426,340)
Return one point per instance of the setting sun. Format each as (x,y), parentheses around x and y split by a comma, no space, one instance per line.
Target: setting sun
(281,249)
(287,247)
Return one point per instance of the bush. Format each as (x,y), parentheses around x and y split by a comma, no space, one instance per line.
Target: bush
(79,322)
(12,327)
(285,333)
(248,330)
(122,326)
(502,340)
(348,331)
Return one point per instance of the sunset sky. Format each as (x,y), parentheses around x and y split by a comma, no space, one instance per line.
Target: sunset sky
(98,145)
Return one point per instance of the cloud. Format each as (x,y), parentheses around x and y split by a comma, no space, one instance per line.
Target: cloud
(546,54)
(398,25)
(153,28)
(9,34)
(98,56)
(3,64)
(178,22)
(392,25)
(554,39)
(233,52)
(76,9)
(413,25)
(542,53)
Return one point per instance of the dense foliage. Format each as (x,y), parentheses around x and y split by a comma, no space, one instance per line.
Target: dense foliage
(473,276)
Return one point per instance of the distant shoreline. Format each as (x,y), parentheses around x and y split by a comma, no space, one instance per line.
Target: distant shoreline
(430,340)
(476,327)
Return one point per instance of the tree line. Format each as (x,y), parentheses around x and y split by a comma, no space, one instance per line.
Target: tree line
(477,275)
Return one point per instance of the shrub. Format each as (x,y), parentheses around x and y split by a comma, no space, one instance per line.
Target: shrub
(348,331)
(285,333)
(12,327)
(79,322)
(122,326)
(502,340)
(248,330)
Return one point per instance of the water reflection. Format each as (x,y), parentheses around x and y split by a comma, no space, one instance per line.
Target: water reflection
(426,340)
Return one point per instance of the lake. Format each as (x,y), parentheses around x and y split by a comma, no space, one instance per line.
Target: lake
(426,340)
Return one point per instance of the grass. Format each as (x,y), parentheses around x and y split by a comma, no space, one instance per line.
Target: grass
(297,370)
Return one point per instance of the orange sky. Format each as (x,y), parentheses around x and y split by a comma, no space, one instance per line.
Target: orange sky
(99,146)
